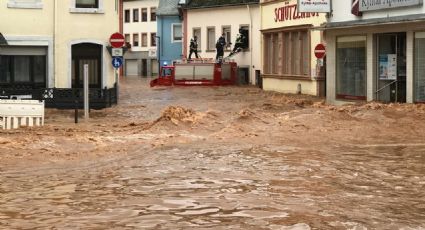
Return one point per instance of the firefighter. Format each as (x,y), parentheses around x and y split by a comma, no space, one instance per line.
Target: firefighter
(240,43)
(193,47)
(221,43)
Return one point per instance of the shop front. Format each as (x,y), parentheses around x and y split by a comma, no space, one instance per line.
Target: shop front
(289,38)
(374,58)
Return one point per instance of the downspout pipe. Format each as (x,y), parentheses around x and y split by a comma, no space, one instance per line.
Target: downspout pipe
(250,41)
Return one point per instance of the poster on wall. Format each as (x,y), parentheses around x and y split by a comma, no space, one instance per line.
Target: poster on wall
(320,6)
(388,67)
(392,66)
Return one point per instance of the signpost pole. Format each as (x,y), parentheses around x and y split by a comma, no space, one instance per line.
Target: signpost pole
(117,80)
(86,91)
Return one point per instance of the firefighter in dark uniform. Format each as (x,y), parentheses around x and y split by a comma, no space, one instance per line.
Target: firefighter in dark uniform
(240,43)
(193,47)
(221,43)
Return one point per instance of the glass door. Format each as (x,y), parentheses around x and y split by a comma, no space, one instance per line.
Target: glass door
(391,74)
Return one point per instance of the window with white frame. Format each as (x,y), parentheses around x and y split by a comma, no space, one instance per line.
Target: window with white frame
(226,30)
(27,4)
(197,33)
(86,3)
(177,32)
(87,6)
(210,38)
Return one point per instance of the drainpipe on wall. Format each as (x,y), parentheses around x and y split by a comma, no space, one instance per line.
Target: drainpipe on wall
(55,17)
(250,40)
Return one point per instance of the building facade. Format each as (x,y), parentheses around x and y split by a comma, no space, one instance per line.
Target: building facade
(208,20)
(169,30)
(376,51)
(49,42)
(139,28)
(288,40)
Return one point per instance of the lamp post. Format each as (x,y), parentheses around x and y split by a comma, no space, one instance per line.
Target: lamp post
(158,52)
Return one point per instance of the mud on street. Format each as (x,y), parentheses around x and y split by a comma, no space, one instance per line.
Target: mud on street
(217,158)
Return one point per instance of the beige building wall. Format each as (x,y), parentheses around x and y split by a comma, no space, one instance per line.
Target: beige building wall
(56,25)
(234,17)
(280,16)
(74,27)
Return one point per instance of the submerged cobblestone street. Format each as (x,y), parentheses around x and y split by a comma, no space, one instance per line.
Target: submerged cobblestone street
(217,158)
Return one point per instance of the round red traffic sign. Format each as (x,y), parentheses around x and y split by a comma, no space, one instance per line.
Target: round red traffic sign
(320,51)
(117,40)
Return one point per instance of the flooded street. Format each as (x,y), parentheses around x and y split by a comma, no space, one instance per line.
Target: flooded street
(217,158)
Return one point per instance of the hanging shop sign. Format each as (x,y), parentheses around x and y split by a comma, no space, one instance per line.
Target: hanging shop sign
(388,67)
(321,6)
(371,5)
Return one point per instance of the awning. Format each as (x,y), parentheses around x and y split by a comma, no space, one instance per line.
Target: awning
(374,22)
(3,41)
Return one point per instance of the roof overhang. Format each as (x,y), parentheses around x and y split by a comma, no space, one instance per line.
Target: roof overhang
(414,18)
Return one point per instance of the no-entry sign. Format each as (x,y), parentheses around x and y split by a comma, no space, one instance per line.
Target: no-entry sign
(117,40)
(320,51)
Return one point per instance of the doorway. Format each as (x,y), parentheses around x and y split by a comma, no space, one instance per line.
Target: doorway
(391,68)
(91,54)
(144,68)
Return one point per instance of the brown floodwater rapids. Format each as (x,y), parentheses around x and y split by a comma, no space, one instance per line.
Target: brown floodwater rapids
(217,158)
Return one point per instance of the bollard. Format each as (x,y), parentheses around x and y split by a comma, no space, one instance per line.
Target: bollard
(76,112)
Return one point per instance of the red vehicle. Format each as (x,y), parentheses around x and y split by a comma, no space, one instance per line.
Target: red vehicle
(190,74)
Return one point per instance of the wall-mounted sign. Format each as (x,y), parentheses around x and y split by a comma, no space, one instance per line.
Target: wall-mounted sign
(370,5)
(290,12)
(322,6)
(152,53)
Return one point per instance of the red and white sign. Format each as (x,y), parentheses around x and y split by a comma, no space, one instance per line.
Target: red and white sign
(320,51)
(117,40)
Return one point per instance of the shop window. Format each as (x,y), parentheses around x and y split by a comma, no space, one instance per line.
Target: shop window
(135,15)
(177,33)
(198,34)
(127,16)
(419,67)
(23,70)
(144,14)
(228,35)
(144,39)
(153,39)
(153,14)
(287,53)
(351,68)
(135,39)
(211,38)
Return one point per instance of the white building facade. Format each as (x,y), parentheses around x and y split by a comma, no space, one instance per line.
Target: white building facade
(139,28)
(376,51)
(208,21)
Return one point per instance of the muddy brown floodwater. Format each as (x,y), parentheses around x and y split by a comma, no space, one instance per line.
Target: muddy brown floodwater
(217,158)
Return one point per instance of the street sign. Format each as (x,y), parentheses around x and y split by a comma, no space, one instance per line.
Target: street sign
(117,40)
(320,51)
(117,52)
(117,62)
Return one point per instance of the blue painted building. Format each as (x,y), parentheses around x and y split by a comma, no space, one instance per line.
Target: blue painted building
(169,31)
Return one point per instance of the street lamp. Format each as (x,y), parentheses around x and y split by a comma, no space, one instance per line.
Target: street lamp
(158,53)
